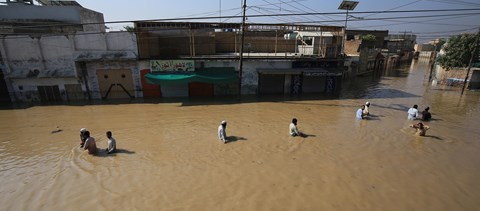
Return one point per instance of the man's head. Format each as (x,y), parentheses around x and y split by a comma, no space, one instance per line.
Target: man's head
(294,121)
(87,133)
(224,123)
(367,103)
(427,108)
(83,130)
(420,125)
(415,106)
(109,134)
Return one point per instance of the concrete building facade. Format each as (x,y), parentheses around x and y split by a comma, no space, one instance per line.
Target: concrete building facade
(59,68)
(277,59)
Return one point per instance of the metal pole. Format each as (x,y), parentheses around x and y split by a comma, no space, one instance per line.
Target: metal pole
(240,65)
(471,60)
(433,63)
(344,34)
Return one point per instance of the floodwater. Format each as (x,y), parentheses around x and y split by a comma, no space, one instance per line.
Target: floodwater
(170,157)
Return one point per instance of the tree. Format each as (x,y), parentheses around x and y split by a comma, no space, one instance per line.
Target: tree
(129,28)
(458,51)
(368,37)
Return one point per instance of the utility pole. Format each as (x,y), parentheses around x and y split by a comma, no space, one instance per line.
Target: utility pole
(242,35)
(471,60)
(434,55)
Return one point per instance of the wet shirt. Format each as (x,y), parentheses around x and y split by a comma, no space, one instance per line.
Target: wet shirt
(112,145)
(222,134)
(426,116)
(90,145)
(359,114)
(293,130)
(412,113)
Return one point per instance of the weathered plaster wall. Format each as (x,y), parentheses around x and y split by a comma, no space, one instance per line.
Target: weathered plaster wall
(86,41)
(441,75)
(52,59)
(25,90)
(57,54)
(89,16)
(121,41)
(22,53)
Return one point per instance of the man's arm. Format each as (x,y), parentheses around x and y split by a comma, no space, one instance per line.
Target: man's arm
(87,142)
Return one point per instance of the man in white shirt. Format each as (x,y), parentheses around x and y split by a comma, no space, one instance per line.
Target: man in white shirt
(413,113)
(360,114)
(293,128)
(112,143)
(222,132)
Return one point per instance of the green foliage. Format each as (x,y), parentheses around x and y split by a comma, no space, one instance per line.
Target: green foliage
(440,43)
(368,37)
(129,28)
(458,51)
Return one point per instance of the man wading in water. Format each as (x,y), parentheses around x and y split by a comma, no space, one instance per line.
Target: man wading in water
(222,132)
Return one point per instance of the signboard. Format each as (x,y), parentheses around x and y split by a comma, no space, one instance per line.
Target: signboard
(172,65)
(321,74)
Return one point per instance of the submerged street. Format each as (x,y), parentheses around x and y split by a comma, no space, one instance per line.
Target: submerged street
(170,157)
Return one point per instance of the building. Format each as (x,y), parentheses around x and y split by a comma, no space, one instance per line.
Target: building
(364,56)
(56,56)
(202,59)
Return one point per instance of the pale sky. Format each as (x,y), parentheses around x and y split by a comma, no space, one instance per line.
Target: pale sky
(426,28)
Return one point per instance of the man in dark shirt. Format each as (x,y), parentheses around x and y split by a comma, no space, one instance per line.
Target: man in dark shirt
(426,116)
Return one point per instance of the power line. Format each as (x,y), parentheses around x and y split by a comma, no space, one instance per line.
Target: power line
(393,8)
(311,9)
(262,15)
(285,10)
(390,18)
(418,22)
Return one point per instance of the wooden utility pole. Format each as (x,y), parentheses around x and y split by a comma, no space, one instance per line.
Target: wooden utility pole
(242,34)
(471,60)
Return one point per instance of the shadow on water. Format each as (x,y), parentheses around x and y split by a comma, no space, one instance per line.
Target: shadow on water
(304,135)
(235,138)
(434,137)
(103,153)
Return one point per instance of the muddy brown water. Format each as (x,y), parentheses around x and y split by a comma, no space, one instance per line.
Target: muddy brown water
(171,159)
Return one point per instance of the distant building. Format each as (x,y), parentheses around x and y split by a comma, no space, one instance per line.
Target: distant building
(400,42)
(278,59)
(364,56)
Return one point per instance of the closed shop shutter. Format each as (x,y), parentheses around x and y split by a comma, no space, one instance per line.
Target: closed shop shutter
(271,83)
(197,89)
(74,92)
(115,83)
(49,93)
(313,84)
(174,90)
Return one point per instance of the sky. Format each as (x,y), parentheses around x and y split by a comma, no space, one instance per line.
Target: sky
(442,24)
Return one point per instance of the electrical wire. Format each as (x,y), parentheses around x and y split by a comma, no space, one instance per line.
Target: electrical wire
(257,16)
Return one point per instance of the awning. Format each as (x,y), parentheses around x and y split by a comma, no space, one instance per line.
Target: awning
(204,76)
